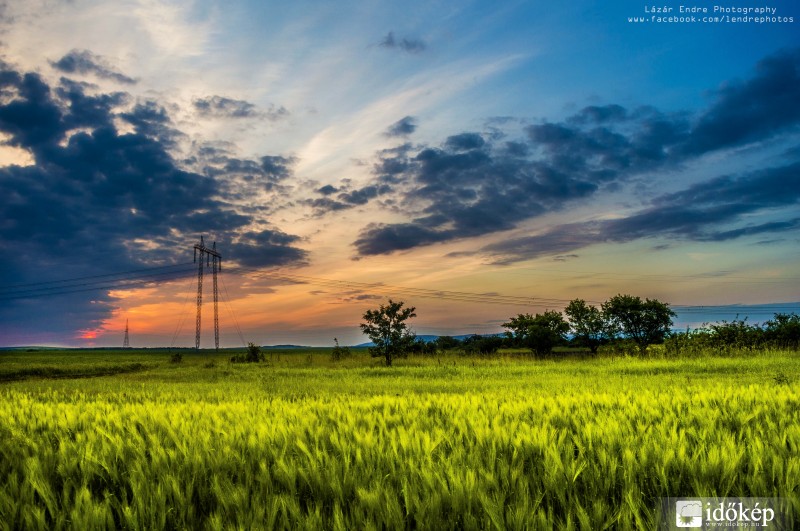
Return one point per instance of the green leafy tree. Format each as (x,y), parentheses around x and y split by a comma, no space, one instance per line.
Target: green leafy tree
(589,324)
(387,329)
(482,345)
(783,330)
(444,343)
(540,332)
(643,321)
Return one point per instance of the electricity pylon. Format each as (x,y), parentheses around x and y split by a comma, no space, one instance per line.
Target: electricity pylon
(126,343)
(212,259)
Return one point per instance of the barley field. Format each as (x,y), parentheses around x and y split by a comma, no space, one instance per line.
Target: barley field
(128,440)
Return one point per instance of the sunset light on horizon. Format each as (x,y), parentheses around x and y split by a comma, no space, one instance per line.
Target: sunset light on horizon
(475,160)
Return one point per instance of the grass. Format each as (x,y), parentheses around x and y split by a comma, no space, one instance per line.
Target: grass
(300,441)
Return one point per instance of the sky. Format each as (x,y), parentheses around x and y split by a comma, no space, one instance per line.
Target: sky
(475,160)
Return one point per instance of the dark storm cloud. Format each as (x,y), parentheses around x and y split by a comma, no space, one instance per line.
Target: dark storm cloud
(277,167)
(327,190)
(471,186)
(254,249)
(600,114)
(94,192)
(403,127)
(413,46)
(85,62)
(222,107)
(753,110)
(465,142)
(476,184)
(363,195)
(702,212)
(151,120)
(696,212)
(345,199)
(384,239)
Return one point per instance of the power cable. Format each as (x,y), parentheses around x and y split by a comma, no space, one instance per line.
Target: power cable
(233,314)
(182,314)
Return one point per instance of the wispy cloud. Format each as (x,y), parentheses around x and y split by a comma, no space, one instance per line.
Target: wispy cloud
(222,107)
(474,184)
(413,46)
(703,212)
(85,62)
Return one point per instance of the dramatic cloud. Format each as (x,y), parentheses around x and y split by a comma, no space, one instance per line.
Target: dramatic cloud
(85,62)
(702,212)
(221,107)
(94,192)
(344,198)
(753,110)
(413,46)
(252,248)
(476,184)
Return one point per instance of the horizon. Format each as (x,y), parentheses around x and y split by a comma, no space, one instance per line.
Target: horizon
(688,318)
(475,161)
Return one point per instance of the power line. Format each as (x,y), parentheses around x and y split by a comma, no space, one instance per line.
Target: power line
(182,315)
(145,276)
(73,286)
(462,296)
(233,314)
(88,277)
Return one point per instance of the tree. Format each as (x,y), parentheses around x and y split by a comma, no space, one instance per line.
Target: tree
(421,346)
(387,329)
(446,343)
(644,321)
(590,326)
(540,332)
(483,345)
(784,330)
(339,352)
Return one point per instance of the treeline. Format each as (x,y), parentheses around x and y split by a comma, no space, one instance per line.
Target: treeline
(624,324)
(782,332)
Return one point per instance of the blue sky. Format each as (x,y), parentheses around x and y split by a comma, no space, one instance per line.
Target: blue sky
(517,149)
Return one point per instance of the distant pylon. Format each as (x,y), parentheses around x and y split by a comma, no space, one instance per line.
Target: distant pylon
(126,343)
(213,260)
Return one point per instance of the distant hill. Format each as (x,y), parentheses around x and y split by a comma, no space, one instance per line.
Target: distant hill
(32,348)
(284,346)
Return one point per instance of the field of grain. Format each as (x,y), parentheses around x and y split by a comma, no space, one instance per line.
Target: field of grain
(445,442)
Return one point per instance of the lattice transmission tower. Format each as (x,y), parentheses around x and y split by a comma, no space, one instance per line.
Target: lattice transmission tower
(212,259)
(126,343)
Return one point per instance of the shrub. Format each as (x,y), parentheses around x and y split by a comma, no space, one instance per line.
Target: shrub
(783,331)
(443,343)
(484,346)
(252,355)
(338,352)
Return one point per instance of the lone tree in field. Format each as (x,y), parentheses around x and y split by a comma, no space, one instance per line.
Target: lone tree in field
(540,332)
(590,326)
(644,321)
(387,329)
